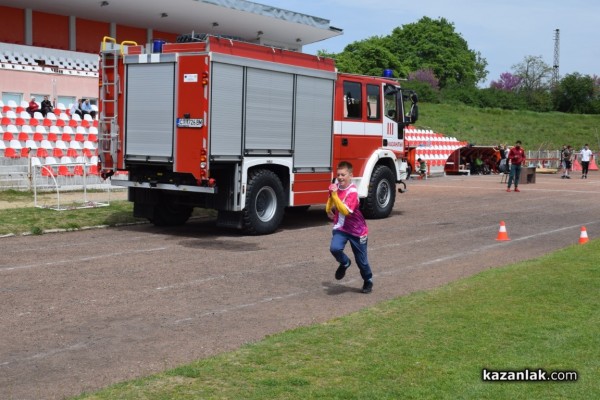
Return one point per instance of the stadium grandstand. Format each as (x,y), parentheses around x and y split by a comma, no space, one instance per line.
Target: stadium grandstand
(51,49)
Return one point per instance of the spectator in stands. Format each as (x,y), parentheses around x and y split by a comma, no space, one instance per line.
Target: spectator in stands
(46,106)
(33,106)
(478,165)
(464,164)
(491,163)
(86,108)
(76,109)
(501,154)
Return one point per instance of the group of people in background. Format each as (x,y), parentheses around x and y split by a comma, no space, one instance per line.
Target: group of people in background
(81,108)
(515,157)
(44,107)
(568,156)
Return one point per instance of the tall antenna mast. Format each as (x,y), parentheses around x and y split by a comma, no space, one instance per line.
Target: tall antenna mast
(555,74)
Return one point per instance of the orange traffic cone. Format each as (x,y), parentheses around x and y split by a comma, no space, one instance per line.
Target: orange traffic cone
(502,234)
(583,237)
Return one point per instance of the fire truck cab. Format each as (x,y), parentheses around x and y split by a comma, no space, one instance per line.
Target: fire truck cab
(244,129)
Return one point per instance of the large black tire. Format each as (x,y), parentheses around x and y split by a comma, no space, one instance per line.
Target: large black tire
(382,194)
(166,213)
(264,203)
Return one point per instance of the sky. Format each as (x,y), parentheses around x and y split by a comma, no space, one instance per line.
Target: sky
(503,31)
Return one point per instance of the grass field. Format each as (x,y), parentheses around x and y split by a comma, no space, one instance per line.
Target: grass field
(429,345)
(34,220)
(546,131)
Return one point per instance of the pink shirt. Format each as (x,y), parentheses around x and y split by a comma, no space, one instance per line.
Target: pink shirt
(353,223)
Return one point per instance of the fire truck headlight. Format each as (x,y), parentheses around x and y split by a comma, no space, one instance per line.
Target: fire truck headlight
(203,165)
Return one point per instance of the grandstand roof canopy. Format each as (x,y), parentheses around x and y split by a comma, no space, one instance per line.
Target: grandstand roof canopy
(240,18)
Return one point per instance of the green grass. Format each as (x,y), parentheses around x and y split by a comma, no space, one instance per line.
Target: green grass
(12,196)
(37,220)
(20,220)
(548,131)
(429,345)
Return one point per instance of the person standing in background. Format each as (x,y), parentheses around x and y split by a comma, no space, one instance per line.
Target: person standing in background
(586,157)
(516,156)
(567,161)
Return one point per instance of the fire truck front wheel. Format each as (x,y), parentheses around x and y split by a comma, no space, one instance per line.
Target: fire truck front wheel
(382,193)
(264,203)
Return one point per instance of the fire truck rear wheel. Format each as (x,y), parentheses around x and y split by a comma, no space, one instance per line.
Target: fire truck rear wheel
(382,193)
(264,203)
(166,214)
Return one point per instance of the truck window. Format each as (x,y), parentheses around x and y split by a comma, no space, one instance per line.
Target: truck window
(352,100)
(373,102)
(390,103)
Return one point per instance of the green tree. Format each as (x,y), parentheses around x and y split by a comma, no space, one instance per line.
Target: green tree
(535,74)
(575,94)
(369,57)
(434,44)
(534,87)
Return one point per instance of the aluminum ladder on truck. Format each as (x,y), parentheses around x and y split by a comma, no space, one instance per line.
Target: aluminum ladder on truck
(110,90)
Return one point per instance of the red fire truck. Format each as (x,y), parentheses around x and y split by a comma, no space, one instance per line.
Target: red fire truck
(244,129)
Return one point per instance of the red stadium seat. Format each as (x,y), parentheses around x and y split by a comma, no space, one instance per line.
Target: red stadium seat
(72,152)
(11,153)
(78,170)
(48,171)
(64,170)
(41,152)
(93,170)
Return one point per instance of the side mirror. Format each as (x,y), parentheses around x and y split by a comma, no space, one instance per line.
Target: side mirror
(413,115)
(414,112)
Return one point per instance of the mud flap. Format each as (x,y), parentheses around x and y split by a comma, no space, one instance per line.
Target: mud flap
(230,219)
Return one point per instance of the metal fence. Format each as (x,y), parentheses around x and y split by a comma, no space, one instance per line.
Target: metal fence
(543,158)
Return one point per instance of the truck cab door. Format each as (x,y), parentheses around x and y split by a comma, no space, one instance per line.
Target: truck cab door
(393,129)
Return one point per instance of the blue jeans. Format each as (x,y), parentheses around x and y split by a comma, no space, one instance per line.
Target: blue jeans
(359,248)
(515,173)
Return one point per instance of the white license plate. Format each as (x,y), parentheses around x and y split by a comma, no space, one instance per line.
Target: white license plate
(190,122)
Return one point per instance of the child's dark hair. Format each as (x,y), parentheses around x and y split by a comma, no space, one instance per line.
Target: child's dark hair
(345,164)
